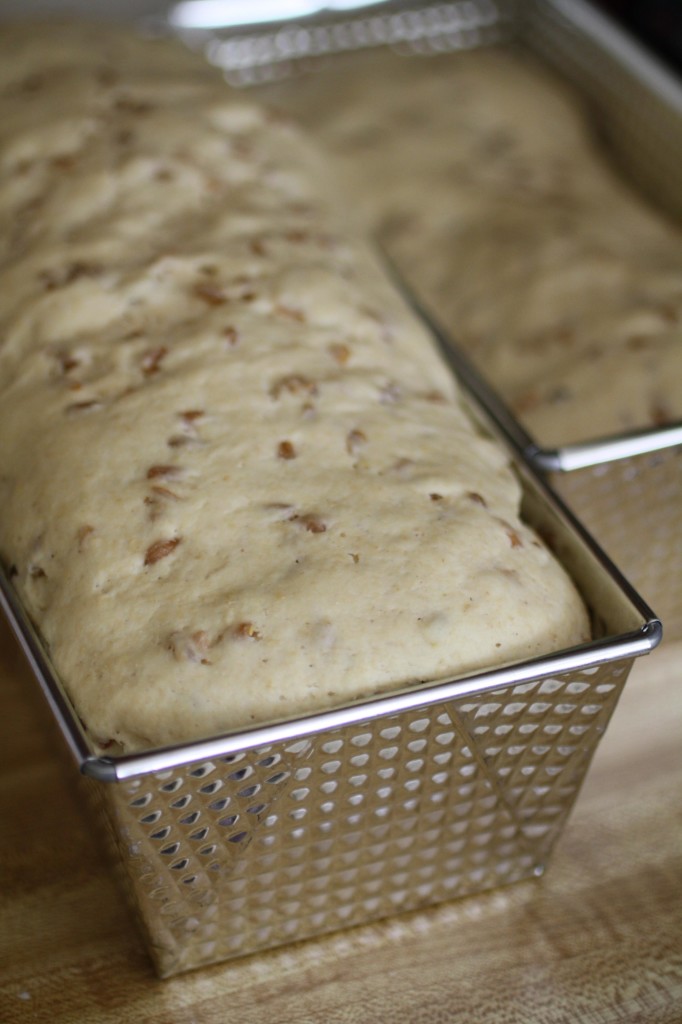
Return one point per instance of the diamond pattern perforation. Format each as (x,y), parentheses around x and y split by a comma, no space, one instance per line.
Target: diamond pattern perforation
(633,509)
(347,865)
(186,827)
(368,821)
(280,844)
(537,740)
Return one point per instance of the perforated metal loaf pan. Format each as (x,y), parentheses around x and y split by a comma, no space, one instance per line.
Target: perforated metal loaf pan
(627,489)
(250,840)
(245,841)
(624,488)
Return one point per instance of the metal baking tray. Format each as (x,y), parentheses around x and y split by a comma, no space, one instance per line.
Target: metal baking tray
(628,487)
(628,491)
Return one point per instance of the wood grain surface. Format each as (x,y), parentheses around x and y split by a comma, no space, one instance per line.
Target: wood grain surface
(598,940)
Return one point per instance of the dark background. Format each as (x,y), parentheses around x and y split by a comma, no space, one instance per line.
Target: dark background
(658,23)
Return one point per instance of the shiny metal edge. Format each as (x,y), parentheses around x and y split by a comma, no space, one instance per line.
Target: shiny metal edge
(35,652)
(570,457)
(253,53)
(630,645)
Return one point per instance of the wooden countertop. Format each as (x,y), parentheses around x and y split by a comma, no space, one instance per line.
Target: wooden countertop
(598,940)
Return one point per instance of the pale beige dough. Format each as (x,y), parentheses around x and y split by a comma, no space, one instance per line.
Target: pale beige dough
(483,176)
(237,483)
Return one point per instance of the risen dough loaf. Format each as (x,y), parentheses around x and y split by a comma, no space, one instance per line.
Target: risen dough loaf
(236,480)
(483,176)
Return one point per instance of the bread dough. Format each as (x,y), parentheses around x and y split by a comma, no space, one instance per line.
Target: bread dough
(483,177)
(237,481)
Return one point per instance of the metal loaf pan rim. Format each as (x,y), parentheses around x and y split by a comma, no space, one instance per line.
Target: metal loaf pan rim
(640,631)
